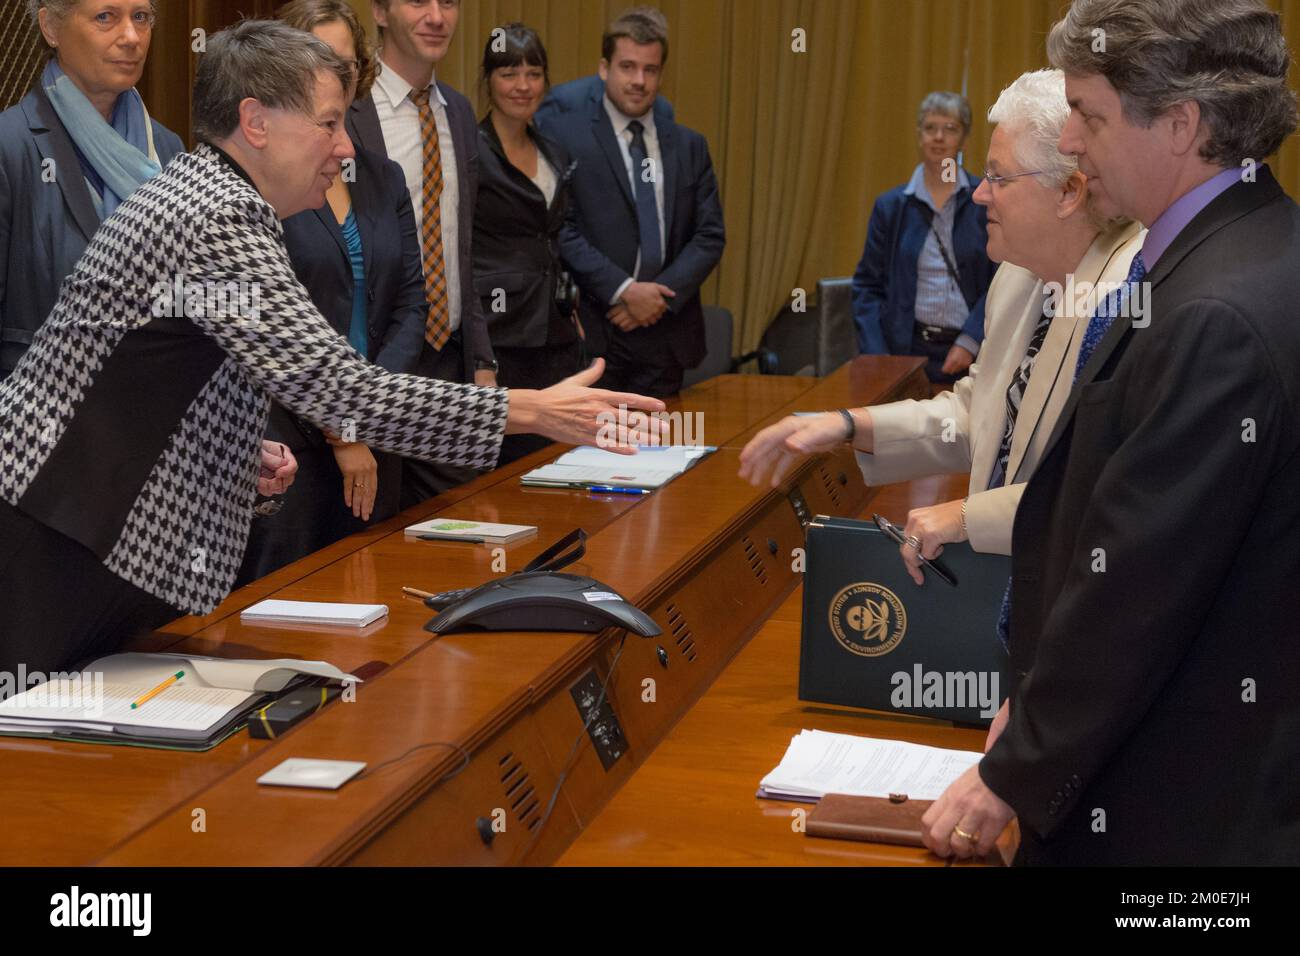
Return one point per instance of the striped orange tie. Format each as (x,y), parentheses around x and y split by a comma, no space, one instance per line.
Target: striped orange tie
(437,328)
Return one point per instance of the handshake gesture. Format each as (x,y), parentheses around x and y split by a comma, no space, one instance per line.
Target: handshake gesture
(574,412)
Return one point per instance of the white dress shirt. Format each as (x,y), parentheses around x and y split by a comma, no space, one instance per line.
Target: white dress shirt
(545,180)
(399,119)
(620,120)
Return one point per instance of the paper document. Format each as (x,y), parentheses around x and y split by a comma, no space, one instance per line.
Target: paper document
(818,763)
(653,466)
(313,612)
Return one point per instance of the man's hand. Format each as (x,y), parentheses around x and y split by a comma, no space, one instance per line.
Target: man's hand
(771,453)
(645,301)
(485,377)
(575,413)
(279,467)
(934,526)
(621,318)
(360,478)
(958,361)
(973,808)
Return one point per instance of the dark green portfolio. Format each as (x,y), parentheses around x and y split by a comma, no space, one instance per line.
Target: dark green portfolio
(873,638)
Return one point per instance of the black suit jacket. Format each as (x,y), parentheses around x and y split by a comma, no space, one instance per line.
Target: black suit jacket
(391,255)
(517,245)
(1155,696)
(363,125)
(599,240)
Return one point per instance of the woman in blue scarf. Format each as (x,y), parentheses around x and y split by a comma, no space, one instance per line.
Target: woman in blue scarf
(77,145)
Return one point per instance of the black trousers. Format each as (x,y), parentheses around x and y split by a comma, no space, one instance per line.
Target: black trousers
(59,606)
(534,367)
(640,361)
(422,480)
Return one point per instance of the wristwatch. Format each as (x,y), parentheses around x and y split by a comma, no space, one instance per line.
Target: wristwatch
(481,366)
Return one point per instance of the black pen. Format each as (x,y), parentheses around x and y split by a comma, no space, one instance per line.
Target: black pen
(452,537)
(896,535)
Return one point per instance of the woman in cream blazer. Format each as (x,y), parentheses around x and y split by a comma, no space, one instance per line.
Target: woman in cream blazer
(1058,261)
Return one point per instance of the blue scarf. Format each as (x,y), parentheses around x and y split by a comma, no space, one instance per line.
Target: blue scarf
(116,159)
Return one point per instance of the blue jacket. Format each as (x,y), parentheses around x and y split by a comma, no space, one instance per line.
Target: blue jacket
(884,285)
(44,225)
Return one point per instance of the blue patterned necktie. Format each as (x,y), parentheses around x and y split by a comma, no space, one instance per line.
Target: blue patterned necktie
(647,209)
(1016,394)
(1098,326)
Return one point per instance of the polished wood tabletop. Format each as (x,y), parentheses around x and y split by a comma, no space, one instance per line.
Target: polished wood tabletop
(693,802)
(461,730)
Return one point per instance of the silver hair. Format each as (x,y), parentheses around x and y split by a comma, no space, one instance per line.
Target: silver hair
(1034,111)
(266,60)
(947,104)
(1228,56)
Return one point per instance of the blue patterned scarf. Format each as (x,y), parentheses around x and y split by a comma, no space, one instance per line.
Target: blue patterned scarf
(116,159)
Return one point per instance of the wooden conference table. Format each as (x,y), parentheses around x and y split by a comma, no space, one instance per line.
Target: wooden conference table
(466,736)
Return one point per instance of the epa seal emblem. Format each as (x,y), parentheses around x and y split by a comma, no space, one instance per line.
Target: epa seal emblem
(868,619)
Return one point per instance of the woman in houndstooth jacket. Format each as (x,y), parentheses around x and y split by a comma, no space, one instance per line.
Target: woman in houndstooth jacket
(129,433)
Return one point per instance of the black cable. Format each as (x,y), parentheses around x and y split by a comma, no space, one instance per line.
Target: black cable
(371,771)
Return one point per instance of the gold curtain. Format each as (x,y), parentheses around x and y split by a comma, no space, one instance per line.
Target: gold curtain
(803,142)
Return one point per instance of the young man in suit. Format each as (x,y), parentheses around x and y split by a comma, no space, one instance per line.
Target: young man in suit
(645,226)
(430,130)
(1155,699)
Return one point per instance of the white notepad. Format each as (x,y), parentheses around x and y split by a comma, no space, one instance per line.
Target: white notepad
(313,612)
(653,466)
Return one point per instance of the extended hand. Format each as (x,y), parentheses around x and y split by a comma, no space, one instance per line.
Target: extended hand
(971,806)
(360,478)
(575,413)
(279,467)
(771,453)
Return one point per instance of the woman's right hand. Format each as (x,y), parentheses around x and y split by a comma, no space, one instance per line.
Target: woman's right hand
(771,453)
(360,477)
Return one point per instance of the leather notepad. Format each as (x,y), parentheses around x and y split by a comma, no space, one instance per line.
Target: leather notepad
(839,816)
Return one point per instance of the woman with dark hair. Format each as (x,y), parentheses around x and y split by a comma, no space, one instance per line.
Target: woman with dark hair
(77,145)
(359,258)
(522,198)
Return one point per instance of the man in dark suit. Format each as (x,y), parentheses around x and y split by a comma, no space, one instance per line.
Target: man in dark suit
(1153,715)
(430,130)
(645,226)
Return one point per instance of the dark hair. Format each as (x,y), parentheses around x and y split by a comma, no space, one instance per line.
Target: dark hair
(640,25)
(310,14)
(266,60)
(512,45)
(1229,56)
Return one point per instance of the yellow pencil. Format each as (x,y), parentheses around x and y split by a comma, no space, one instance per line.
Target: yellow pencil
(415,592)
(159,689)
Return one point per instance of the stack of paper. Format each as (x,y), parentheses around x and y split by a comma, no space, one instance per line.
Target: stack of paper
(209,702)
(653,466)
(459,528)
(818,763)
(313,612)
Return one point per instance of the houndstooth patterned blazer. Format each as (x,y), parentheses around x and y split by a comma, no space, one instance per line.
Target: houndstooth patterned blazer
(133,425)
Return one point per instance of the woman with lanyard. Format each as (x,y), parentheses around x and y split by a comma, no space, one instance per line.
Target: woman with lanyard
(919,289)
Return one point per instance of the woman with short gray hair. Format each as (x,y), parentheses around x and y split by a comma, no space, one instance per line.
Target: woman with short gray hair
(77,145)
(919,289)
(130,430)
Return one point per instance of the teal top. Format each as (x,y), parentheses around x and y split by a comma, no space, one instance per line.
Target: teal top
(357,331)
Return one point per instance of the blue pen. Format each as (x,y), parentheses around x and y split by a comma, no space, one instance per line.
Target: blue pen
(609,490)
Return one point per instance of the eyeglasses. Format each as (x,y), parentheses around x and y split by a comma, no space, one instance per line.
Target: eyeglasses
(995,180)
(947,129)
